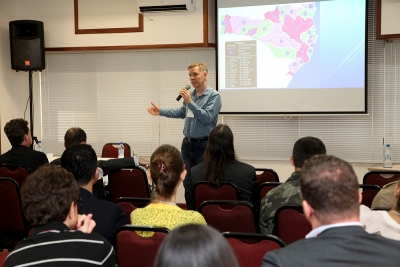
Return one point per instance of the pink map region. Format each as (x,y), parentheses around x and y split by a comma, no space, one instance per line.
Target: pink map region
(302,53)
(296,27)
(278,38)
(272,16)
(228,27)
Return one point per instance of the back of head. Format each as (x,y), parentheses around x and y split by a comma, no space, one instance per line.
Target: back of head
(202,66)
(15,130)
(305,148)
(81,161)
(195,245)
(47,194)
(330,187)
(219,152)
(166,166)
(74,136)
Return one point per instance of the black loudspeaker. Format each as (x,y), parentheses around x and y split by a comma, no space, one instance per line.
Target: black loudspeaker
(27,45)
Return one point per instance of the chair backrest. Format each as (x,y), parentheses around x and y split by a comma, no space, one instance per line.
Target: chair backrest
(134,250)
(267,175)
(3,256)
(128,183)
(18,173)
(250,255)
(380,178)
(205,191)
(291,224)
(368,193)
(13,225)
(129,204)
(229,216)
(263,189)
(110,150)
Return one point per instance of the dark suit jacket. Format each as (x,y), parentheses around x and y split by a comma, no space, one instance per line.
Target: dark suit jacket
(24,156)
(338,247)
(107,215)
(241,174)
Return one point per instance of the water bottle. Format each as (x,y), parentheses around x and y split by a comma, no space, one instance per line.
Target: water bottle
(387,162)
(39,146)
(121,150)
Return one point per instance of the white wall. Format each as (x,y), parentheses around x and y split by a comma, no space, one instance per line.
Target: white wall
(159,28)
(14,87)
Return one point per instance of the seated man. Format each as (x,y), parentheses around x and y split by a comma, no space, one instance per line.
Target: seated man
(81,161)
(60,237)
(288,192)
(20,154)
(76,136)
(330,200)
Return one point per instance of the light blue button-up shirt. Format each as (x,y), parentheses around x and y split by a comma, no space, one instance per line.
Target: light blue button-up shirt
(205,109)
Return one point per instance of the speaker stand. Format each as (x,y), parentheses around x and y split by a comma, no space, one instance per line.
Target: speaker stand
(34,138)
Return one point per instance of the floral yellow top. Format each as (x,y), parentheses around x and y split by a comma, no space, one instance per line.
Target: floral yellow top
(164,215)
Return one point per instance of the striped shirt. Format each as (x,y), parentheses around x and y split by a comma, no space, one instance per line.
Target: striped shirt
(53,244)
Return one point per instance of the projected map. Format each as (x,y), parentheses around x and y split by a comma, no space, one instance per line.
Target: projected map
(288,31)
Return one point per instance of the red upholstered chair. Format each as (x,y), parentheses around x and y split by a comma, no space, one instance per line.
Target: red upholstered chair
(263,189)
(18,173)
(266,175)
(13,225)
(368,193)
(134,250)
(291,224)
(250,255)
(110,150)
(229,216)
(3,256)
(380,178)
(128,183)
(129,204)
(205,191)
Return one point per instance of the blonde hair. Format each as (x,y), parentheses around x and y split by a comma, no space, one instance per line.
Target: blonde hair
(202,66)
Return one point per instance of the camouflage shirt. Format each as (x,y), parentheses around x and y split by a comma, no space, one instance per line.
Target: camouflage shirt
(285,194)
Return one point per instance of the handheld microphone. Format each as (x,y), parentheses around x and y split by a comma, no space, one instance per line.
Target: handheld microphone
(187,87)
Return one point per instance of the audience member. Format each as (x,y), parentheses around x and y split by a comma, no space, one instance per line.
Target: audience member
(20,154)
(76,136)
(330,200)
(288,192)
(60,236)
(81,161)
(384,199)
(385,223)
(195,246)
(221,165)
(167,172)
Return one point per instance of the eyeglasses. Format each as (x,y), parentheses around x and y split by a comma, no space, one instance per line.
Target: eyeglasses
(78,202)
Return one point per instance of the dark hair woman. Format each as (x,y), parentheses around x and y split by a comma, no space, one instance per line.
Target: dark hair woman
(221,164)
(195,245)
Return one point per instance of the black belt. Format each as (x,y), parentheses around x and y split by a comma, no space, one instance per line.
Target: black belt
(196,139)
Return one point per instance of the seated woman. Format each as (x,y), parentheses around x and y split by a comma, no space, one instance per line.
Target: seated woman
(382,222)
(195,245)
(221,165)
(167,172)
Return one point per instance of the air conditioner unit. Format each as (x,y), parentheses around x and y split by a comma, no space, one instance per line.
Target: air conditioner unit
(165,5)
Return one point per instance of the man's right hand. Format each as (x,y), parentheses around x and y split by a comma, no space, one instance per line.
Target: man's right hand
(85,223)
(154,109)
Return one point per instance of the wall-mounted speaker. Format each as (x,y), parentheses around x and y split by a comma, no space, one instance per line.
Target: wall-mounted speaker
(27,45)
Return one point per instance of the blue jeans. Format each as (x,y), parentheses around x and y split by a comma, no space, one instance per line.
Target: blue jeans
(192,154)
